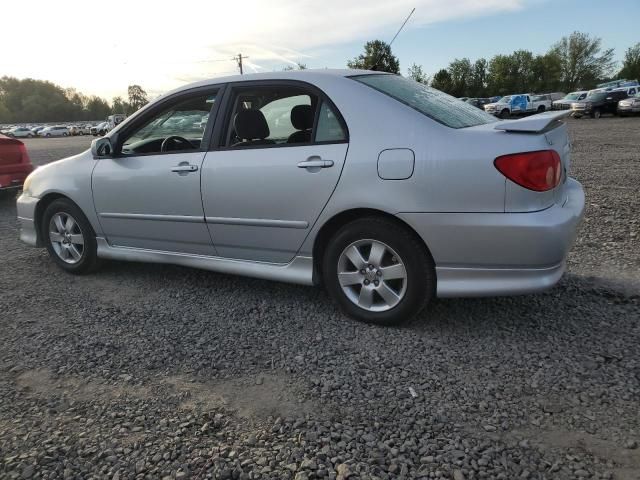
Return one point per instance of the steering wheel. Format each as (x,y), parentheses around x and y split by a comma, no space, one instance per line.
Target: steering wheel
(175,139)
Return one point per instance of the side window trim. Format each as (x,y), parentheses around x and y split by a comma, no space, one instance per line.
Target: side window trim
(225,110)
(167,102)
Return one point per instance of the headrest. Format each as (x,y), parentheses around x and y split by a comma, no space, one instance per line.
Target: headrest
(251,125)
(302,117)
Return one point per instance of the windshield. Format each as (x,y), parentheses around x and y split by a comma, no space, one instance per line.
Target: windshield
(596,97)
(433,103)
(506,99)
(572,96)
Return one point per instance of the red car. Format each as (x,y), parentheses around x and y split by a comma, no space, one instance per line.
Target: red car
(15,164)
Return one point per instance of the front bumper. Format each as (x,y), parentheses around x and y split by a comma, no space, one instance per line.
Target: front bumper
(628,108)
(26,206)
(480,254)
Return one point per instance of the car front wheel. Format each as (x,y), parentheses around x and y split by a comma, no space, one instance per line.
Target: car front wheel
(378,271)
(69,237)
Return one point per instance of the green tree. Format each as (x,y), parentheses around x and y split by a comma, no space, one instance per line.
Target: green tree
(377,56)
(97,108)
(442,81)
(582,60)
(461,74)
(137,98)
(297,66)
(118,105)
(478,82)
(631,64)
(416,73)
(500,80)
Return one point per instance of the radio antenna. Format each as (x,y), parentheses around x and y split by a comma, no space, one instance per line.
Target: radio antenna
(374,67)
(402,26)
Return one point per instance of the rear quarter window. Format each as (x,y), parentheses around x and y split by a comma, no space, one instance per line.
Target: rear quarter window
(433,103)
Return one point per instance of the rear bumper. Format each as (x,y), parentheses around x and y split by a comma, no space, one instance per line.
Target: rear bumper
(26,206)
(478,254)
(13,176)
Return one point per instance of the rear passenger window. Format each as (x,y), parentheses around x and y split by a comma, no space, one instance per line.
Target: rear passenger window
(280,116)
(329,128)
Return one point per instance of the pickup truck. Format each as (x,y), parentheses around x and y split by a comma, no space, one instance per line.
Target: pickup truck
(520,104)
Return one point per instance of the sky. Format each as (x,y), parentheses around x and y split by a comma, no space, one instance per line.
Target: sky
(100,48)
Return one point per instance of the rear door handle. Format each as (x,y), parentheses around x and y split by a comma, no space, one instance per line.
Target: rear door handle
(184,168)
(315,162)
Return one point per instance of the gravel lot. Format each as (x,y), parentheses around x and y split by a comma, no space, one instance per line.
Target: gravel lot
(150,371)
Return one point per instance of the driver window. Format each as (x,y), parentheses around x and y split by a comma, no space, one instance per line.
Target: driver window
(179,127)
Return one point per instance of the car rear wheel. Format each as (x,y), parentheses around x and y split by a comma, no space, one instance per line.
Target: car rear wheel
(541,108)
(69,238)
(505,113)
(596,113)
(48,135)
(378,271)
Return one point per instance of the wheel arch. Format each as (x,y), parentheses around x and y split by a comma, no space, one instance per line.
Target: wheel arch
(41,207)
(335,223)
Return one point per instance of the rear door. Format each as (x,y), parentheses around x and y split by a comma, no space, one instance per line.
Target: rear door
(281,150)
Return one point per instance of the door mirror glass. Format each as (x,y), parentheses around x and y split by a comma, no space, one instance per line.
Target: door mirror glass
(101,147)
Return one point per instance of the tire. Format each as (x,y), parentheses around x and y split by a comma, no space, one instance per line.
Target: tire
(403,251)
(48,135)
(505,113)
(65,134)
(596,113)
(29,135)
(81,133)
(70,255)
(541,108)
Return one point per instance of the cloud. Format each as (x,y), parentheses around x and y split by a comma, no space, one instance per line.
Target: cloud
(102,48)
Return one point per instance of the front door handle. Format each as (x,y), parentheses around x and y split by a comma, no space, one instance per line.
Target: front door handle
(184,168)
(315,162)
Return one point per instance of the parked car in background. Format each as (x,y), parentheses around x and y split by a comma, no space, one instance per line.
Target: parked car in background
(332,184)
(114,120)
(56,131)
(630,90)
(555,96)
(565,103)
(478,102)
(99,129)
(599,103)
(14,163)
(20,132)
(518,104)
(629,105)
(36,130)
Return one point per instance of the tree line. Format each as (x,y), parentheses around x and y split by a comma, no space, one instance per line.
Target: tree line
(29,100)
(577,61)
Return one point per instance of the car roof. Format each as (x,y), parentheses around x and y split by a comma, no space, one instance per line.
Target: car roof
(308,75)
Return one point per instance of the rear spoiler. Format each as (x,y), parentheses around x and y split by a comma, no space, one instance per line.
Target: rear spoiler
(533,124)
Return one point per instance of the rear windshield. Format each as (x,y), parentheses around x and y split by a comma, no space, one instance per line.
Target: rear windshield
(433,103)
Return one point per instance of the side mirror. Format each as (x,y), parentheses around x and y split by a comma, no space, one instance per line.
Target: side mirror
(101,147)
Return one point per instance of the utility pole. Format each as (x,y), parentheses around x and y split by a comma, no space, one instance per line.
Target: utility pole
(239,60)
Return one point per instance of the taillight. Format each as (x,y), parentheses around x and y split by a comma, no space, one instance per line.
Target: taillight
(539,171)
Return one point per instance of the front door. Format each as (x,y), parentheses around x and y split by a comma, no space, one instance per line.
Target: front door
(149,195)
(280,159)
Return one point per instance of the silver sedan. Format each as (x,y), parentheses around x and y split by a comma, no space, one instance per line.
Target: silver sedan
(385,191)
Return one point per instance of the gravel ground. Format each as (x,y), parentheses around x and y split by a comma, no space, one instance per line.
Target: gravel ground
(150,371)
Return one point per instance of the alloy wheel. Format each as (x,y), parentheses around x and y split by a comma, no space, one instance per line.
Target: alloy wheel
(66,237)
(372,275)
